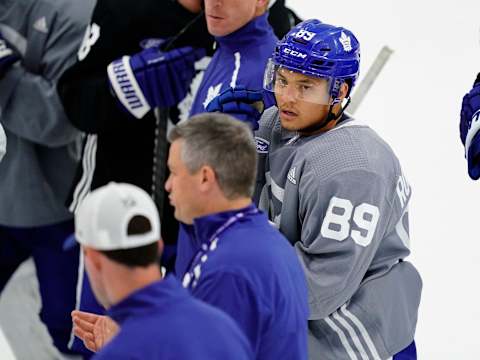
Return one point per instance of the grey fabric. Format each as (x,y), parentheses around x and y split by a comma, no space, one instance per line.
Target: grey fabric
(42,149)
(342,201)
(3,143)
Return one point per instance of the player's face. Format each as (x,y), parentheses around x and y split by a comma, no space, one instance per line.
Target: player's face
(227,16)
(182,186)
(291,90)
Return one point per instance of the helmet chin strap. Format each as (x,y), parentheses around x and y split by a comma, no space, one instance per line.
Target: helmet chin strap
(331,116)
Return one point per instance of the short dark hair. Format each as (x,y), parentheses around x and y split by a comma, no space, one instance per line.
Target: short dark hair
(142,256)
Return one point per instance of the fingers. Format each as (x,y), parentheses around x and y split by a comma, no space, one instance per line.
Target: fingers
(90,345)
(86,316)
(83,334)
(84,325)
(87,337)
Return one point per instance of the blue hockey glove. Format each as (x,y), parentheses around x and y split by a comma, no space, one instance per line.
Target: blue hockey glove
(470,128)
(152,78)
(245,105)
(7,56)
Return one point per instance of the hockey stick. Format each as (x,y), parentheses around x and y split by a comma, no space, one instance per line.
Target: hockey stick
(367,82)
(160,147)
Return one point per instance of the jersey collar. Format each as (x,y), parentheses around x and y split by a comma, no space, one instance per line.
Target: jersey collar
(247,35)
(160,294)
(206,226)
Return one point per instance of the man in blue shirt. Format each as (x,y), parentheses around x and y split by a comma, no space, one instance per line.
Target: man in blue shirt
(229,255)
(119,229)
(153,78)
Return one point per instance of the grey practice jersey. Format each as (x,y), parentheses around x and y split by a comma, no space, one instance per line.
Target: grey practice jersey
(42,146)
(341,199)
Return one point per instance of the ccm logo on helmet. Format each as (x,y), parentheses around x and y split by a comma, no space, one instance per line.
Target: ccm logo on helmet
(294,53)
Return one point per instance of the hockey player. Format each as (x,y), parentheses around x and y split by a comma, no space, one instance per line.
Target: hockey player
(239,263)
(470,128)
(91,108)
(119,230)
(245,41)
(336,190)
(38,40)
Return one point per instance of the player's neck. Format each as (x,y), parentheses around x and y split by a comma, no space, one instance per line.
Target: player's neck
(312,131)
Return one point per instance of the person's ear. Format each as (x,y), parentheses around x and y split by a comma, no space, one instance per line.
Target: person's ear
(343,90)
(207,178)
(94,257)
(160,246)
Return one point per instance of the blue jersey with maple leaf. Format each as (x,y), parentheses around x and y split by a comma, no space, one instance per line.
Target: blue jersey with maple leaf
(240,60)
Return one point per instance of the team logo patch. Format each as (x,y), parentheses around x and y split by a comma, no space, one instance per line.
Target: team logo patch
(41,25)
(346,42)
(262,145)
(213,92)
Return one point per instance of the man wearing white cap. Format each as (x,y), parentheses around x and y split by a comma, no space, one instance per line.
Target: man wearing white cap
(118,228)
(229,256)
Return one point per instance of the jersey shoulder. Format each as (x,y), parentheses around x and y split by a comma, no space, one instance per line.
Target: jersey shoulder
(350,147)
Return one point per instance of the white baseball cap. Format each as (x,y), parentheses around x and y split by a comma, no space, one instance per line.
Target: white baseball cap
(102,220)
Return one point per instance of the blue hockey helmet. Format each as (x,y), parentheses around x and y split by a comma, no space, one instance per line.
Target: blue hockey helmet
(319,50)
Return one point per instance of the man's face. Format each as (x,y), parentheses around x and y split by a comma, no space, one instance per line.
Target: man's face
(182,186)
(302,100)
(95,279)
(227,16)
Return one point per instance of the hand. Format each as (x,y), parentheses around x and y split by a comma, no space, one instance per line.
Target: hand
(152,78)
(94,330)
(245,105)
(7,56)
(470,128)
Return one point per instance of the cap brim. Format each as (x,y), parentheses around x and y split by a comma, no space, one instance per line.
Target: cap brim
(70,243)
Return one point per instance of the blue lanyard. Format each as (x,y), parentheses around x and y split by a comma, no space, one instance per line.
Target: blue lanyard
(195,268)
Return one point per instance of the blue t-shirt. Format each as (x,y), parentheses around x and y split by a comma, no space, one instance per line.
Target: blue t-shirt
(162,321)
(254,275)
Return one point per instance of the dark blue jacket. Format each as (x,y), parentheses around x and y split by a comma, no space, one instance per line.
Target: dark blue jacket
(162,321)
(240,60)
(254,276)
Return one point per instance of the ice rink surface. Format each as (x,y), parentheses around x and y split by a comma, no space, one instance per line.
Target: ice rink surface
(414,105)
